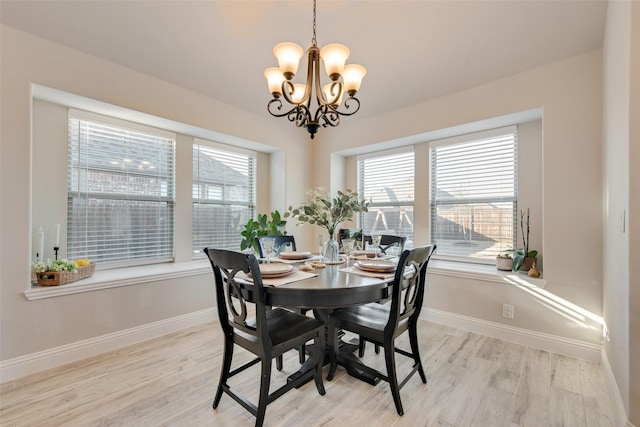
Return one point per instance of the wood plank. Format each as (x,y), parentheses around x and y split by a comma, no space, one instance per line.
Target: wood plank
(171,380)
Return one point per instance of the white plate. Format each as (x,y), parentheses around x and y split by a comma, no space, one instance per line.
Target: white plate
(276,268)
(295,255)
(377,266)
(364,254)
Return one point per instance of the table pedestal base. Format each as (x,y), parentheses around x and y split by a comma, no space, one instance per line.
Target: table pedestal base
(346,359)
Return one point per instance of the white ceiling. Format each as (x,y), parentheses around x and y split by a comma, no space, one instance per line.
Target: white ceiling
(413,50)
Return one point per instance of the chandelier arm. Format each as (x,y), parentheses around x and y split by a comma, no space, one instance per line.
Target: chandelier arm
(300,115)
(348,105)
(275,105)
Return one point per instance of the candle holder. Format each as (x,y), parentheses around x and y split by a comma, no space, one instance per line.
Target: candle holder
(55,251)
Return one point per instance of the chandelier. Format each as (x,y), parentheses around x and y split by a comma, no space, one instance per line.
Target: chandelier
(344,82)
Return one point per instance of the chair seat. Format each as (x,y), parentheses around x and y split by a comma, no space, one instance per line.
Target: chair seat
(284,325)
(368,320)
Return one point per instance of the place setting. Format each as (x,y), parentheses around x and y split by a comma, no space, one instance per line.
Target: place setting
(277,274)
(373,268)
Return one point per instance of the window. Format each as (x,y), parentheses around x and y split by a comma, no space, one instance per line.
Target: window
(387,180)
(473,195)
(121,191)
(224,196)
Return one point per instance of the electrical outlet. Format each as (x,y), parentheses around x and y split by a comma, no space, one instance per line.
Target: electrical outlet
(507,311)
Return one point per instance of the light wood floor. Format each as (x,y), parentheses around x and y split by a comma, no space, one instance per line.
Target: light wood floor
(170,381)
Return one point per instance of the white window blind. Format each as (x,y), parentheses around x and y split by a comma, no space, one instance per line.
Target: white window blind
(224,196)
(473,195)
(387,181)
(121,188)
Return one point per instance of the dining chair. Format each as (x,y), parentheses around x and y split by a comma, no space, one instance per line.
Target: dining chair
(270,333)
(280,242)
(382,324)
(386,241)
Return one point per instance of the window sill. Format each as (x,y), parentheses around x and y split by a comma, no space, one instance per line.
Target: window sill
(105,279)
(484,272)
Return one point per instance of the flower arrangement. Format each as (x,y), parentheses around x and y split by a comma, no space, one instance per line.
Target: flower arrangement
(61,271)
(54,265)
(326,212)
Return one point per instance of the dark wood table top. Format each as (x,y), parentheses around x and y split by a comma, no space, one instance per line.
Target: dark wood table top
(331,288)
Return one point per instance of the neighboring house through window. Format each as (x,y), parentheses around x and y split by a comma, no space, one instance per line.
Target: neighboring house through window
(224,195)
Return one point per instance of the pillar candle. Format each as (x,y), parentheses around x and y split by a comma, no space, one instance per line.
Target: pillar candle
(57,245)
(40,244)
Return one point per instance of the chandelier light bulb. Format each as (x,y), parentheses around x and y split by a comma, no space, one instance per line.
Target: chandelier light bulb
(353,75)
(298,93)
(329,96)
(274,80)
(288,55)
(334,57)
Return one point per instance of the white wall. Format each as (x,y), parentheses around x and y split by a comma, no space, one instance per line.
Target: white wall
(621,294)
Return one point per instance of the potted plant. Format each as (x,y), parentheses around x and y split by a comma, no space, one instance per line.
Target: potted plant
(262,226)
(523,258)
(327,212)
(504,262)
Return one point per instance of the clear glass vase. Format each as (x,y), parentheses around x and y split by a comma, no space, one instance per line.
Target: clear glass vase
(331,250)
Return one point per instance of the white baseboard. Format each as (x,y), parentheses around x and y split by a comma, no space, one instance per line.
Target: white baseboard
(36,362)
(614,392)
(542,341)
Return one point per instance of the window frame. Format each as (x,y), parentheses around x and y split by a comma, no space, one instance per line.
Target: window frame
(401,204)
(251,203)
(469,138)
(167,195)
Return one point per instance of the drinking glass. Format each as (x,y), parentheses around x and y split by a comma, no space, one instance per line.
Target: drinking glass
(375,242)
(320,240)
(267,246)
(347,248)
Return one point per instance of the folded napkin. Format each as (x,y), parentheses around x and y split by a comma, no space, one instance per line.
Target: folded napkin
(293,277)
(381,275)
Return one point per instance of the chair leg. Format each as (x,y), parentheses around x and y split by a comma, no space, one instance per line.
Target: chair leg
(377,349)
(265,379)
(318,359)
(415,350)
(390,360)
(361,344)
(333,348)
(302,354)
(224,373)
(279,362)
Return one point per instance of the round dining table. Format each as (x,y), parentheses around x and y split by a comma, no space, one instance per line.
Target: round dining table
(331,289)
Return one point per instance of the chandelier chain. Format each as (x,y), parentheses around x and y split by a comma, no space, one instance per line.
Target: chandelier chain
(313,39)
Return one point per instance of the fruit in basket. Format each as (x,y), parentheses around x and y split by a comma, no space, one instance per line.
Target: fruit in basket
(82,262)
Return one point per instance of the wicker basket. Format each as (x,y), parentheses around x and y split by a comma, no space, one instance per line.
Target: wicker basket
(56,278)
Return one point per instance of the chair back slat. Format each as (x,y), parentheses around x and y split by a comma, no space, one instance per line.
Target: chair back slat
(407,291)
(388,241)
(280,242)
(232,296)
